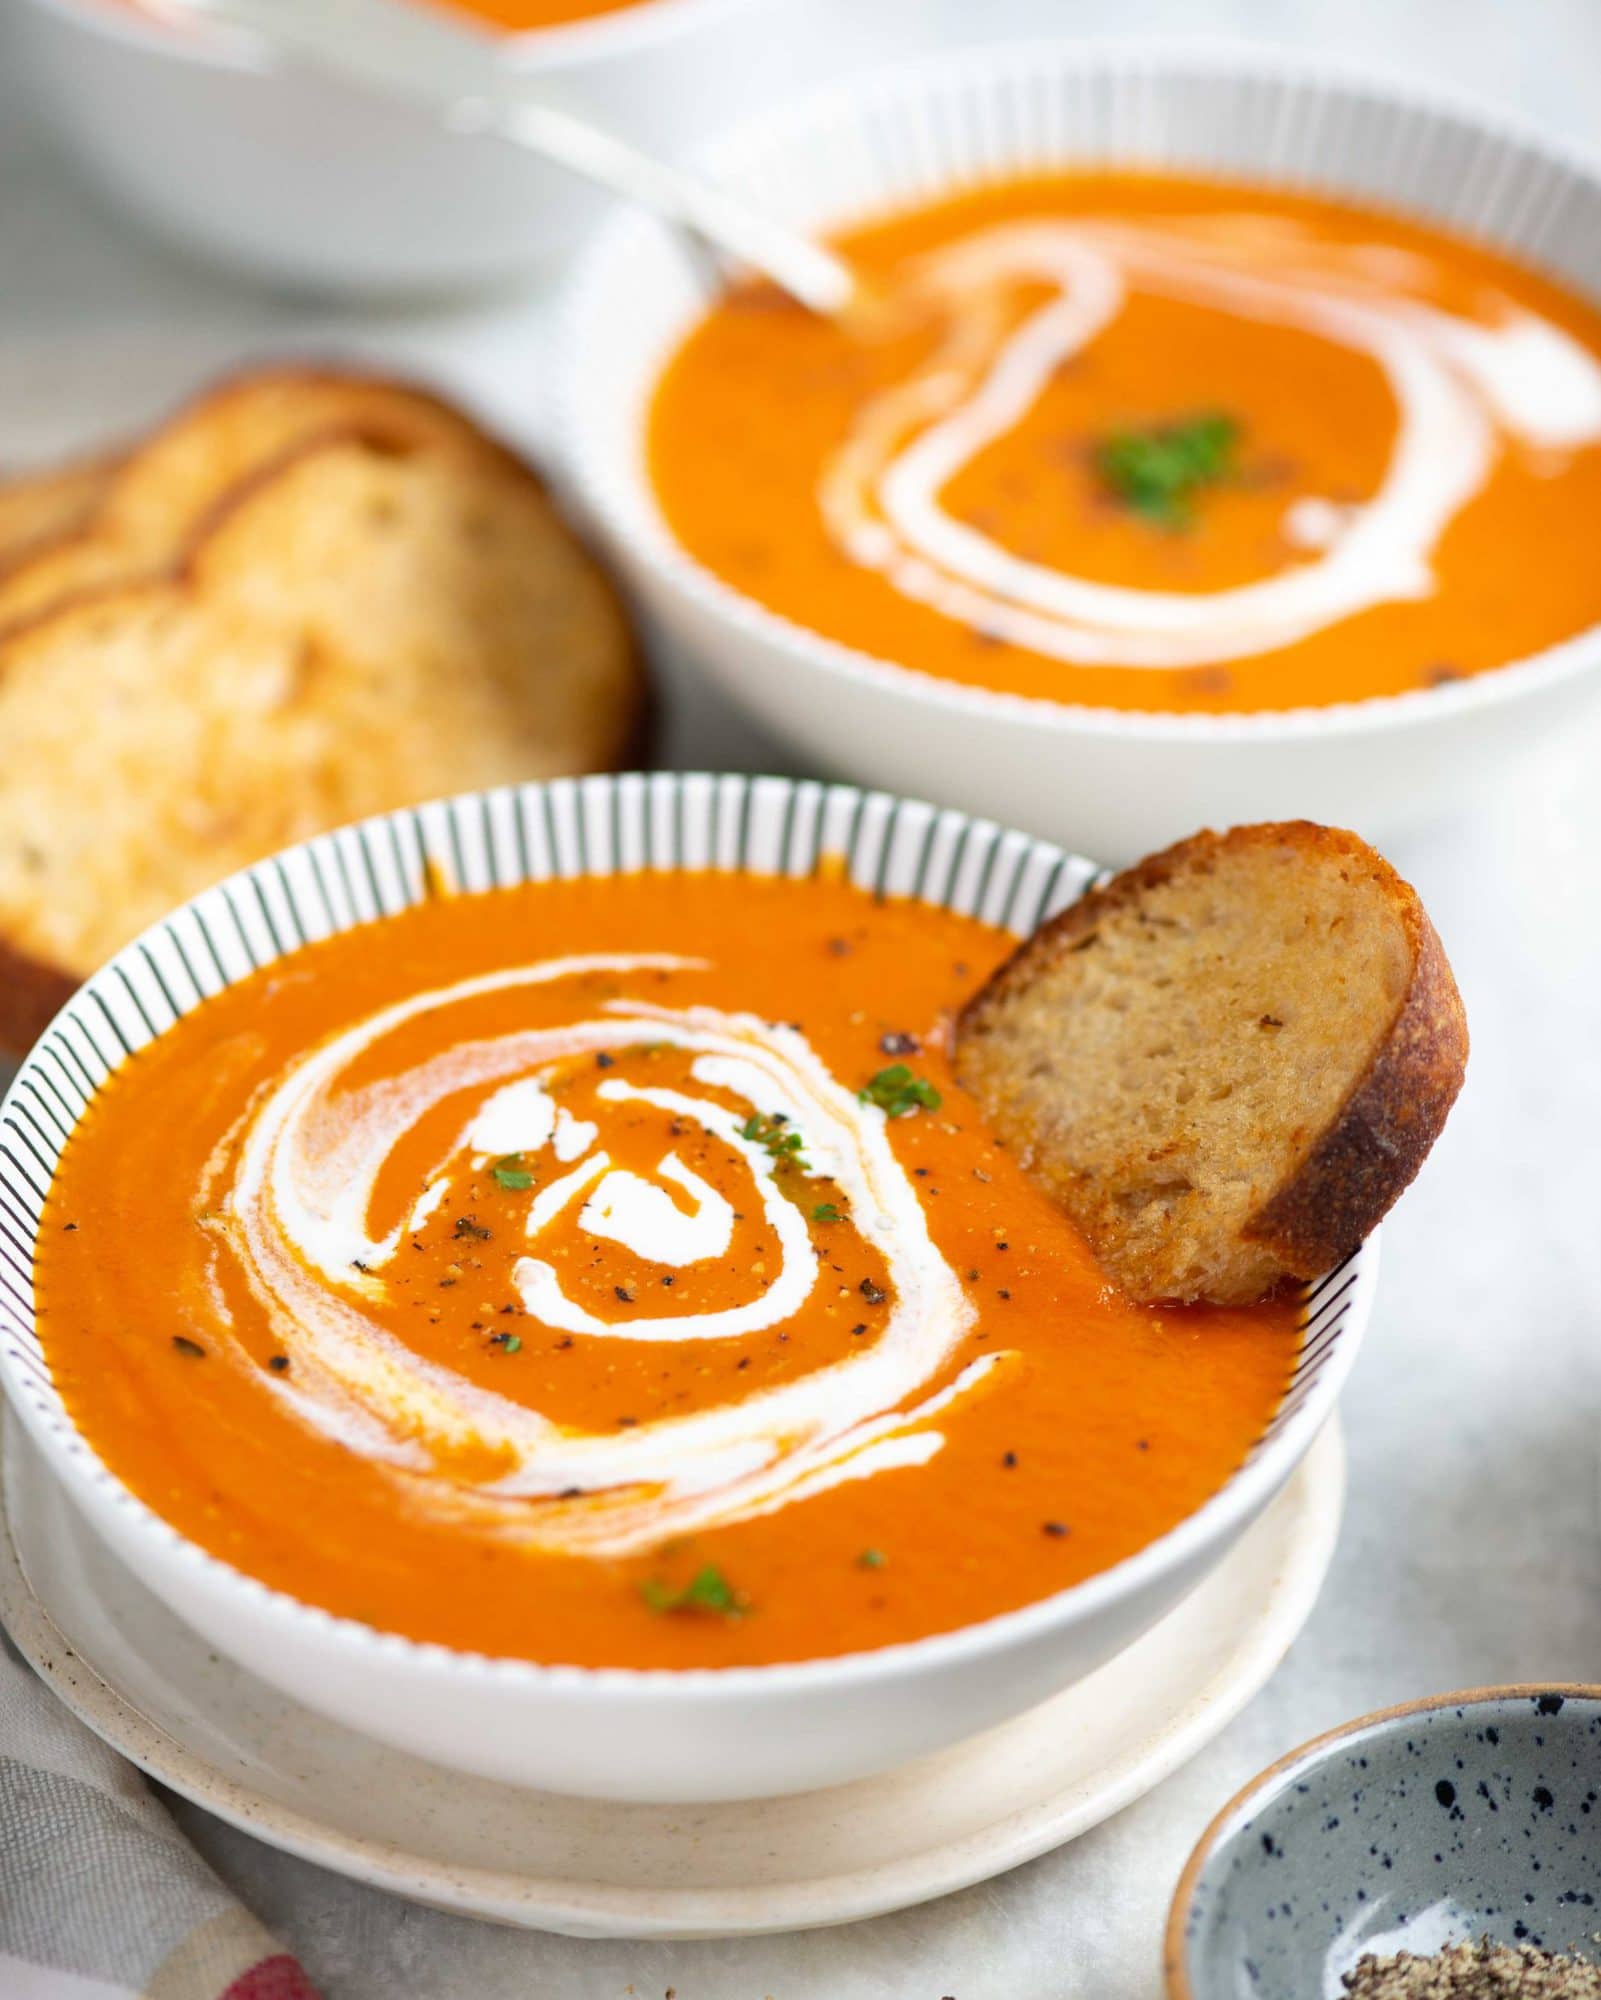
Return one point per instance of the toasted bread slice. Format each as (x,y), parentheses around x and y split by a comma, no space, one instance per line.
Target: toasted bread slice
(161,495)
(365,625)
(1226,1063)
(40,509)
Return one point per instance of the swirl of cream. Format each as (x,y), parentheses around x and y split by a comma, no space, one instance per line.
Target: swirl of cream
(1458,385)
(296,1184)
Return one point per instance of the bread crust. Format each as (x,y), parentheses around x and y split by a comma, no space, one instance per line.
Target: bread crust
(1355,1173)
(1355,1169)
(40,511)
(441,418)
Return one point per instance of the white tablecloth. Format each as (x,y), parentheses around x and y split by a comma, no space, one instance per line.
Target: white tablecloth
(1472,1546)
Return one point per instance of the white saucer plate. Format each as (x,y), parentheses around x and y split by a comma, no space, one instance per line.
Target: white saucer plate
(211,1731)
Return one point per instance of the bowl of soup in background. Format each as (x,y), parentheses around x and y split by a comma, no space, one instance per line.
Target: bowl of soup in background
(872,1636)
(301,178)
(926,648)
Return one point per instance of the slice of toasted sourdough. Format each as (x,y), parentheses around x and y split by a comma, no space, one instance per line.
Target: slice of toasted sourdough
(366,624)
(1227,1062)
(39,509)
(151,506)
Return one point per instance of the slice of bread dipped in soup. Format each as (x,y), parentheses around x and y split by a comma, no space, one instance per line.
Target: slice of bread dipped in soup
(1227,1062)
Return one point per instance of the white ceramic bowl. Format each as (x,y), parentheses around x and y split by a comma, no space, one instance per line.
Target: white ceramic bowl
(1113,783)
(300,178)
(740,1732)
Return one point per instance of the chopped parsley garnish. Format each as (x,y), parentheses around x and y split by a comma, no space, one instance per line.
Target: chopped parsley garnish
(512,1174)
(708,1590)
(509,1343)
(898,1092)
(1157,472)
(826,1211)
(871,1559)
(786,1147)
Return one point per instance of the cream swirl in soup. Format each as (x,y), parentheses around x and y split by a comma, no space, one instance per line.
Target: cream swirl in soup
(1462,386)
(1141,442)
(293,1193)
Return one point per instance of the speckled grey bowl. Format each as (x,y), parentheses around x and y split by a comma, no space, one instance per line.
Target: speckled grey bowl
(1406,1830)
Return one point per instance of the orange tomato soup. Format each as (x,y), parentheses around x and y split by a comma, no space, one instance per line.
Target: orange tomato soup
(517,17)
(526,1273)
(1152,443)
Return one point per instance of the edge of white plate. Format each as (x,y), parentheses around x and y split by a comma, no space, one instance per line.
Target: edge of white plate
(1310,1508)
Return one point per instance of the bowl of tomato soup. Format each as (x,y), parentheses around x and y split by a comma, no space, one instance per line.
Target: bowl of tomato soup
(1220,440)
(304,179)
(522,1276)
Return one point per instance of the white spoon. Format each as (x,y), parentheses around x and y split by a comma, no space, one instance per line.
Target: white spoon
(418,53)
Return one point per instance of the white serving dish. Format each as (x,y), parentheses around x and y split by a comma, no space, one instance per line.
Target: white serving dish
(304,179)
(741,1732)
(214,1732)
(1113,783)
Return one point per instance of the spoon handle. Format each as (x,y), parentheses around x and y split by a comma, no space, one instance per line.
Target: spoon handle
(797,265)
(415,52)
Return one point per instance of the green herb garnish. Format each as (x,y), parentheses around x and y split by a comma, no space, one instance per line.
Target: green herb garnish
(785,1147)
(1157,472)
(708,1590)
(871,1559)
(512,1174)
(510,1342)
(825,1211)
(898,1092)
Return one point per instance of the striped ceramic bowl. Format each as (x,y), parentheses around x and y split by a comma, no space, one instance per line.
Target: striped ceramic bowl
(619,1733)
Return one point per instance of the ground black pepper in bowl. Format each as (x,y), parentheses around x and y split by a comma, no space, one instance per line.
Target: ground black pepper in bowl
(1471,1816)
(1482,1971)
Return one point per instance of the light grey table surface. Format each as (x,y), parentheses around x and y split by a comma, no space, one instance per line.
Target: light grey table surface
(1471,1550)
